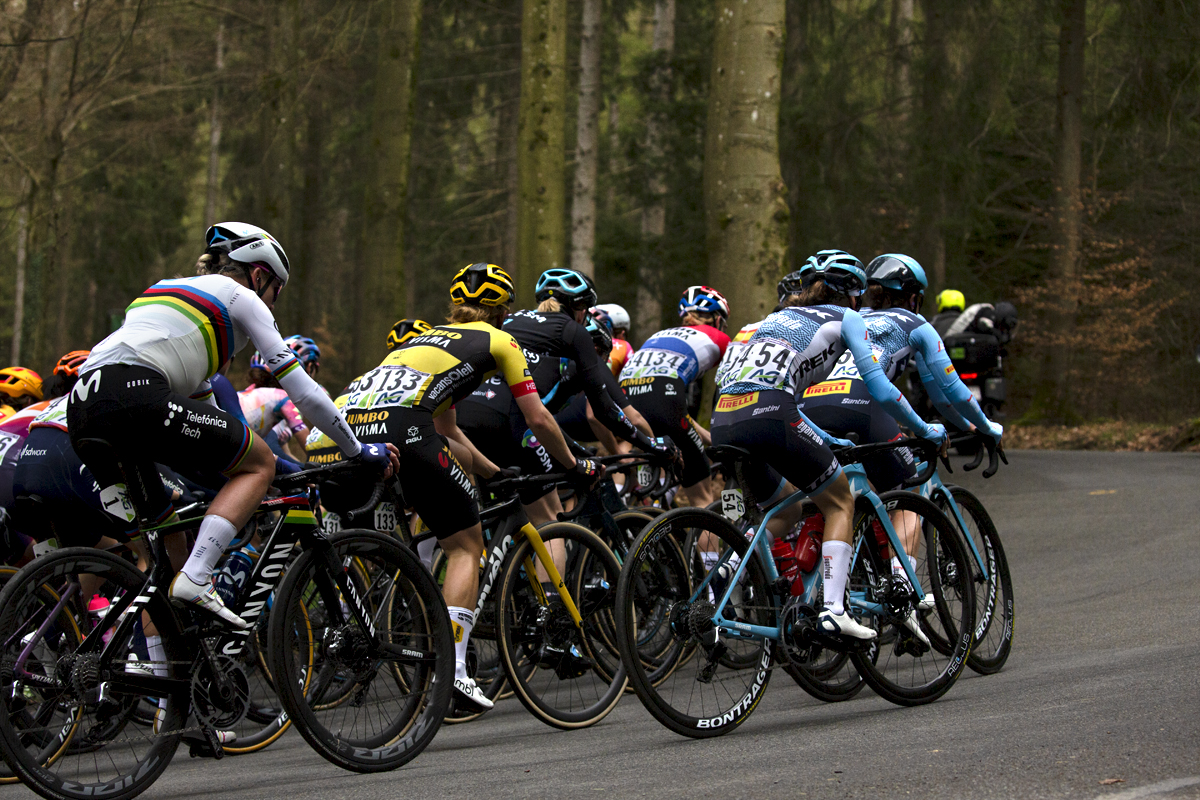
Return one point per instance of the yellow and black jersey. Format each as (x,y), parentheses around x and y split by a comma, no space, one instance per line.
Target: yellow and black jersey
(433,371)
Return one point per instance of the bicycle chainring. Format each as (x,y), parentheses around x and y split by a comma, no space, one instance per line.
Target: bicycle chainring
(800,644)
(220,706)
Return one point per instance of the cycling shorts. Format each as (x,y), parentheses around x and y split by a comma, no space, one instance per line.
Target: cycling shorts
(432,480)
(134,410)
(853,411)
(663,402)
(769,426)
(71,510)
(507,442)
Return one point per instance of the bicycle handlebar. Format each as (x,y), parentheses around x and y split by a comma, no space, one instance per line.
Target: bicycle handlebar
(995,451)
(928,450)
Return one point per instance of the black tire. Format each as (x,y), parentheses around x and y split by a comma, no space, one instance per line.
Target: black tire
(106,754)
(483,654)
(266,721)
(902,671)
(386,711)
(681,702)
(994,609)
(561,688)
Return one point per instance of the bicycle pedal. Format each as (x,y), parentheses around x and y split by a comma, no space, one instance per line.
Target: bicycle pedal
(203,744)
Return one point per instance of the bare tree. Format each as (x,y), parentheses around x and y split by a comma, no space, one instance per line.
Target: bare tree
(214,132)
(654,216)
(745,208)
(583,202)
(381,296)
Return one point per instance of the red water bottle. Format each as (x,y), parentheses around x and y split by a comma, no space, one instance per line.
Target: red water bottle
(785,562)
(808,544)
(881,539)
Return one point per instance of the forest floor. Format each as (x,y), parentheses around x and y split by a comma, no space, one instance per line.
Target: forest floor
(1105,435)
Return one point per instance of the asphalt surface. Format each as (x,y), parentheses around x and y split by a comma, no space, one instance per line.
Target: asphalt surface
(1099,699)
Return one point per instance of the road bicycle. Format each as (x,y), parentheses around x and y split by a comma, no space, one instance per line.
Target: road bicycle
(750,621)
(385,647)
(994,607)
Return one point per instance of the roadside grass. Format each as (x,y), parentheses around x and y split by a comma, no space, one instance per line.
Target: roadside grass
(1105,435)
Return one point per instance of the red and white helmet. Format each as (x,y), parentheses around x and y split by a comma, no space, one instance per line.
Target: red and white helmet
(704,299)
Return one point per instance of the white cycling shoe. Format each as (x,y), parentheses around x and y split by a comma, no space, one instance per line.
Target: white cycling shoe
(185,591)
(469,691)
(844,624)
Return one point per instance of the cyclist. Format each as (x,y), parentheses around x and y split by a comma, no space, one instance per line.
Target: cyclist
(657,378)
(617,319)
(270,413)
(20,387)
(134,392)
(791,350)
(950,304)
(404,330)
(410,400)
(307,353)
(842,404)
(554,341)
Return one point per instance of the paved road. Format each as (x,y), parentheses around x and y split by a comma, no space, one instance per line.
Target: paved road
(1105,554)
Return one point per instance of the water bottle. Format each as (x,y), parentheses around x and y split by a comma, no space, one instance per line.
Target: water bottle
(881,538)
(234,574)
(788,566)
(808,543)
(98,608)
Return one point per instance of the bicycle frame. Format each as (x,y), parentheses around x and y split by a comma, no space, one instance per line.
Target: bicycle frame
(860,488)
(934,489)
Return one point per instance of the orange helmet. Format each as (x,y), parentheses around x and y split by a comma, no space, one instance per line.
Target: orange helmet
(68,366)
(20,382)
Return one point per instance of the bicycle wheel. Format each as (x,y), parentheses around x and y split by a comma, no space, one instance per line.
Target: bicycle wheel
(994,611)
(483,655)
(550,663)
(391,691)
(710,694)
(68,727)
(904,670)
(265,720)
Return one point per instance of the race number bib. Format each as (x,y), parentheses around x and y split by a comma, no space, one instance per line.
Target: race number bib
(385,517)
(771,365)
(331,523)
(654,364)
(386,385)
(7,440)
(732,505)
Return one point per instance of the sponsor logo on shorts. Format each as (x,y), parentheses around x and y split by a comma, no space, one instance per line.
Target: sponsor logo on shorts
(732,402)
(853,401)
(376,429)
(764,410)
(206,419)
(363,417)
(669,391)
(828,387)
(636,382)
(27,453)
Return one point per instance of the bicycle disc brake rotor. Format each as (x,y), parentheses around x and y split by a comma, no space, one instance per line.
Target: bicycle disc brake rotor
(221,704)
(348,647)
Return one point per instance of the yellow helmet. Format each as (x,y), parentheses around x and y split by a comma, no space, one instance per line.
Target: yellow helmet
(406,329)
(20,382)
(950,298)
(482,285)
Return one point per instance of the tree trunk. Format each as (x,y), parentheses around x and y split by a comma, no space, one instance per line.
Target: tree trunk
(583,203)
(312,230)
(214,133)
(929,170)
(745,209)
(385,205)
(648,305)
(22,258)
(796,58)
(541,235)
(903,12)
(1054,402)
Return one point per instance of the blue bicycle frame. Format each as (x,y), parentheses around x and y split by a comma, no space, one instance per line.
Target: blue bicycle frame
(759,544)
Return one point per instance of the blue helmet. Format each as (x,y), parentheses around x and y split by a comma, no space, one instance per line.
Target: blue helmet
(601,335)
(568,287)
(306,349)
(898,272)
(704,299)
(840,271)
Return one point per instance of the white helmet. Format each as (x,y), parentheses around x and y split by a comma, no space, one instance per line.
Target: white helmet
(618,315)
(248,244)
